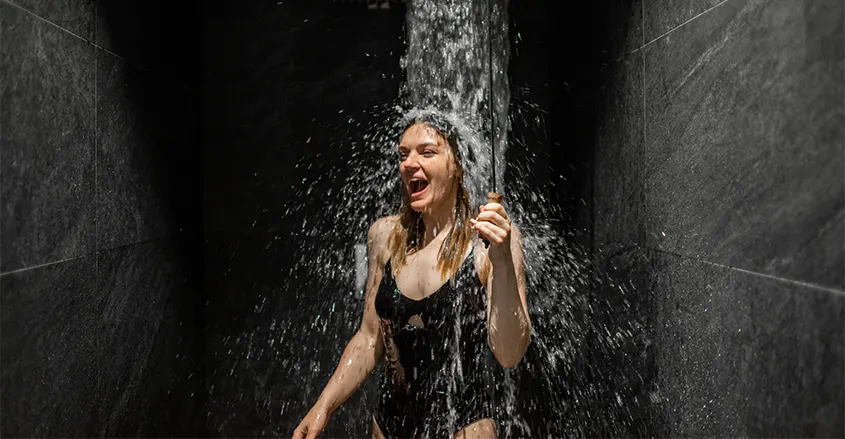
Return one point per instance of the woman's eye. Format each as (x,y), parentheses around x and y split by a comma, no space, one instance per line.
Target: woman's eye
(428,153)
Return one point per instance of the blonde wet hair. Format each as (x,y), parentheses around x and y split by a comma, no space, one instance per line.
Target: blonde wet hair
(407,236)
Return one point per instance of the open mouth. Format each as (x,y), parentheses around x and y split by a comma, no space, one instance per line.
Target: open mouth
(417,186)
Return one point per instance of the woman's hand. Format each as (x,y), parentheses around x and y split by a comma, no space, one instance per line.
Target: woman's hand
(313,423)
(494,224)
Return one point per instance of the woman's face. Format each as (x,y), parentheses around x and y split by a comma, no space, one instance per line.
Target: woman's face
(427,168)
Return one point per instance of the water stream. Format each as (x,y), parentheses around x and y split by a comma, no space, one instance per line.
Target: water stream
(560,388)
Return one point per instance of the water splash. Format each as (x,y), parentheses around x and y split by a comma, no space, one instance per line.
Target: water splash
(449,68)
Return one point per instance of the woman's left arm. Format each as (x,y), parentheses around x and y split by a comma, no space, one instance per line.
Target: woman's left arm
(508,322)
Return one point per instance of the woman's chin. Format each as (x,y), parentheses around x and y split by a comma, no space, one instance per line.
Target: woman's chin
(420,205)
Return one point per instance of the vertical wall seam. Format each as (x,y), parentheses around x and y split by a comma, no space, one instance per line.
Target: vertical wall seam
(642,23)
(96,227)
(96,134)
(642,152)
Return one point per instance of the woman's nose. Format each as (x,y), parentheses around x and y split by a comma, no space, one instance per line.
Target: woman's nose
(412,161)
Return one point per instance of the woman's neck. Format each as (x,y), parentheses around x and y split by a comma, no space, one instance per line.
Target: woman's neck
(438,223)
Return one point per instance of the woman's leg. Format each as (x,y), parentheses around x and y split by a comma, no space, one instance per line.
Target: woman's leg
(480,429)
(377,434)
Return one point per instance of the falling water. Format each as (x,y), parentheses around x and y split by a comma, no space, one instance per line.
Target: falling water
(456,60)
(451,63)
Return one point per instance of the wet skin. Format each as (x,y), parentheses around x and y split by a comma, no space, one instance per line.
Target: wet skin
(428,171)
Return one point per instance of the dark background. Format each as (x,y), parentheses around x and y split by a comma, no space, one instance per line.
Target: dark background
(101,320)
(694,150)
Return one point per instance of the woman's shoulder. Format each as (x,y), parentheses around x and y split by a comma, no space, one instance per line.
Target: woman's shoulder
(378,236)
(382,227)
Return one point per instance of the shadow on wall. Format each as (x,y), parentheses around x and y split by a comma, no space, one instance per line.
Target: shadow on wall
(560,59)
(148,140)
(157,60)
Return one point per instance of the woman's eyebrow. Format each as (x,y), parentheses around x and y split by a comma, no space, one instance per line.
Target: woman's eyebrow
(420,145)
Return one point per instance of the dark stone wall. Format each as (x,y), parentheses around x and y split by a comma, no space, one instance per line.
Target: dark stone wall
(719,161)
(99,267)
(694,151)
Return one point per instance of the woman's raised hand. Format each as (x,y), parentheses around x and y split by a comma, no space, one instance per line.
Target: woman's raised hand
(313,423)
(493,224)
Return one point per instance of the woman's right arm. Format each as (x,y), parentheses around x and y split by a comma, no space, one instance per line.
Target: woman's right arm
(363,351)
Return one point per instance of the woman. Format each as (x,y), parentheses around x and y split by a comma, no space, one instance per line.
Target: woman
(441,307)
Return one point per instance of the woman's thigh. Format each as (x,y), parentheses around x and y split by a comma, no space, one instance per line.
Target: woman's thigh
(377,433)
(480,429)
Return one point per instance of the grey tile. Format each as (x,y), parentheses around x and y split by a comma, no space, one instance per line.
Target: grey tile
(745,355)
(618,189)
(796,360)
(623,366)
(138,335)
(702,316)
(744,147)
(47,153)
(49,345)
(661,16)
(76,16)
(133,203)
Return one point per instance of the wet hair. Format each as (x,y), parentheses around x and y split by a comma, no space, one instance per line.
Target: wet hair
(407,237)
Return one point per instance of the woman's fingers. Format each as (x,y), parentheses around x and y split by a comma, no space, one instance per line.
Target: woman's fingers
(495,209)
(487,230)
(310,427)
(492,233)
(493,206)
(305,432)
(495,218)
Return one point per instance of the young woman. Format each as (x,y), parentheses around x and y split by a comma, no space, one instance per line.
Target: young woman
(441,308)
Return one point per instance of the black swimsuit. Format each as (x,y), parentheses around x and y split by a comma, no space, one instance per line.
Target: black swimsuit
(438,376)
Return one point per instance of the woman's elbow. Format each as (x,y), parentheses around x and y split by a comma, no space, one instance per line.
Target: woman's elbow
(367,341)
(510,357)
(509,361)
